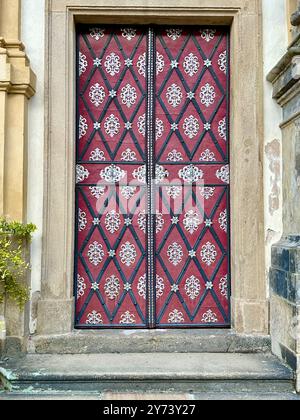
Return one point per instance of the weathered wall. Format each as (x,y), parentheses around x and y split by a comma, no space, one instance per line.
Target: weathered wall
(275,42)
(33,35)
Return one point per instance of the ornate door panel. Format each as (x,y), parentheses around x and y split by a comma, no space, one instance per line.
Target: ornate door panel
(111,154)
(192,155)
(152,104)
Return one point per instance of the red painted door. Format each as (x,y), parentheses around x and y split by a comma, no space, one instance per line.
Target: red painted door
(152,178)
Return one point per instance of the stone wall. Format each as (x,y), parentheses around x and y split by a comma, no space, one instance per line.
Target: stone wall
(285,271)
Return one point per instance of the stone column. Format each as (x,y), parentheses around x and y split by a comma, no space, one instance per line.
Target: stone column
(285,271)
(17,85)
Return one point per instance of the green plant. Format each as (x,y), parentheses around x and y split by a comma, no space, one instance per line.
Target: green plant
(13,265)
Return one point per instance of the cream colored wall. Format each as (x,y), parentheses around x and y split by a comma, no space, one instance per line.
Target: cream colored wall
(275,40)
(33,36)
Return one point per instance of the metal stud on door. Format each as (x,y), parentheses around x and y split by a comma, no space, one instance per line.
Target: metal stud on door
(152,104)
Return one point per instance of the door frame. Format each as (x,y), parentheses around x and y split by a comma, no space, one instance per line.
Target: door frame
(249,303)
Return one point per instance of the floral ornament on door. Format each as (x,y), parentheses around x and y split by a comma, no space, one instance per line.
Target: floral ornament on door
(191,65)
(174,95)
(128,254)
(97,95)
(207,95)
(112,64)
(112,287)
(175,254)
(128,95)
(208,254)
(96,253)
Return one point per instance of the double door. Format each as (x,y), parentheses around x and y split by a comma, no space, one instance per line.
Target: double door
(152,177)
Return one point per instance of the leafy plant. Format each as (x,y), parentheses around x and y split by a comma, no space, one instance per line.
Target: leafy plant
(13,266)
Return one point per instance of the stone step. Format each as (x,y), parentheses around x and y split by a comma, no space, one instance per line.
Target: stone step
(150,341)
(184,373)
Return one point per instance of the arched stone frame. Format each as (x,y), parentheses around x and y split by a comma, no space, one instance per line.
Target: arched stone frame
(250,307)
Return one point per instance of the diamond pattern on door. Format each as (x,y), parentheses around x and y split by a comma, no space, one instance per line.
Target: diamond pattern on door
(111,248)
(192,248)
(187,122)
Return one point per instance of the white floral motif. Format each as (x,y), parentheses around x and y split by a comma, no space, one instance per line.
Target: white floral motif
(81,173)
(207,95)
(207,156)
(141,64)
(97,192)
(174,95)
(128,254)
(97,95)
(97,33)
(174,156)
(129,156)
(82,63)
(192,287)
(223,174)
(208,34)
(127,318)
(81,286)
(191,221)
(82,220)
(191,127)
(83,127)
(174,191)
(209,317)
(176,317)
(159,131)
(222,129)
(112,173)
(128,192)
(222,62)
(112,64)
(128,33)
(112,287)
(223,286)
(208,254)
(174,33)
(140,174)
(97,155)
(160,221)
(191,65)
(142,221)
(175,254)
(141,124)
(128,95)
(160,63)
(142,288)
(95,253)
(112,221)
(207,192)
(223,220)
(94,318)
(160,174)
(112,125)
(191,174)
(160,287)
